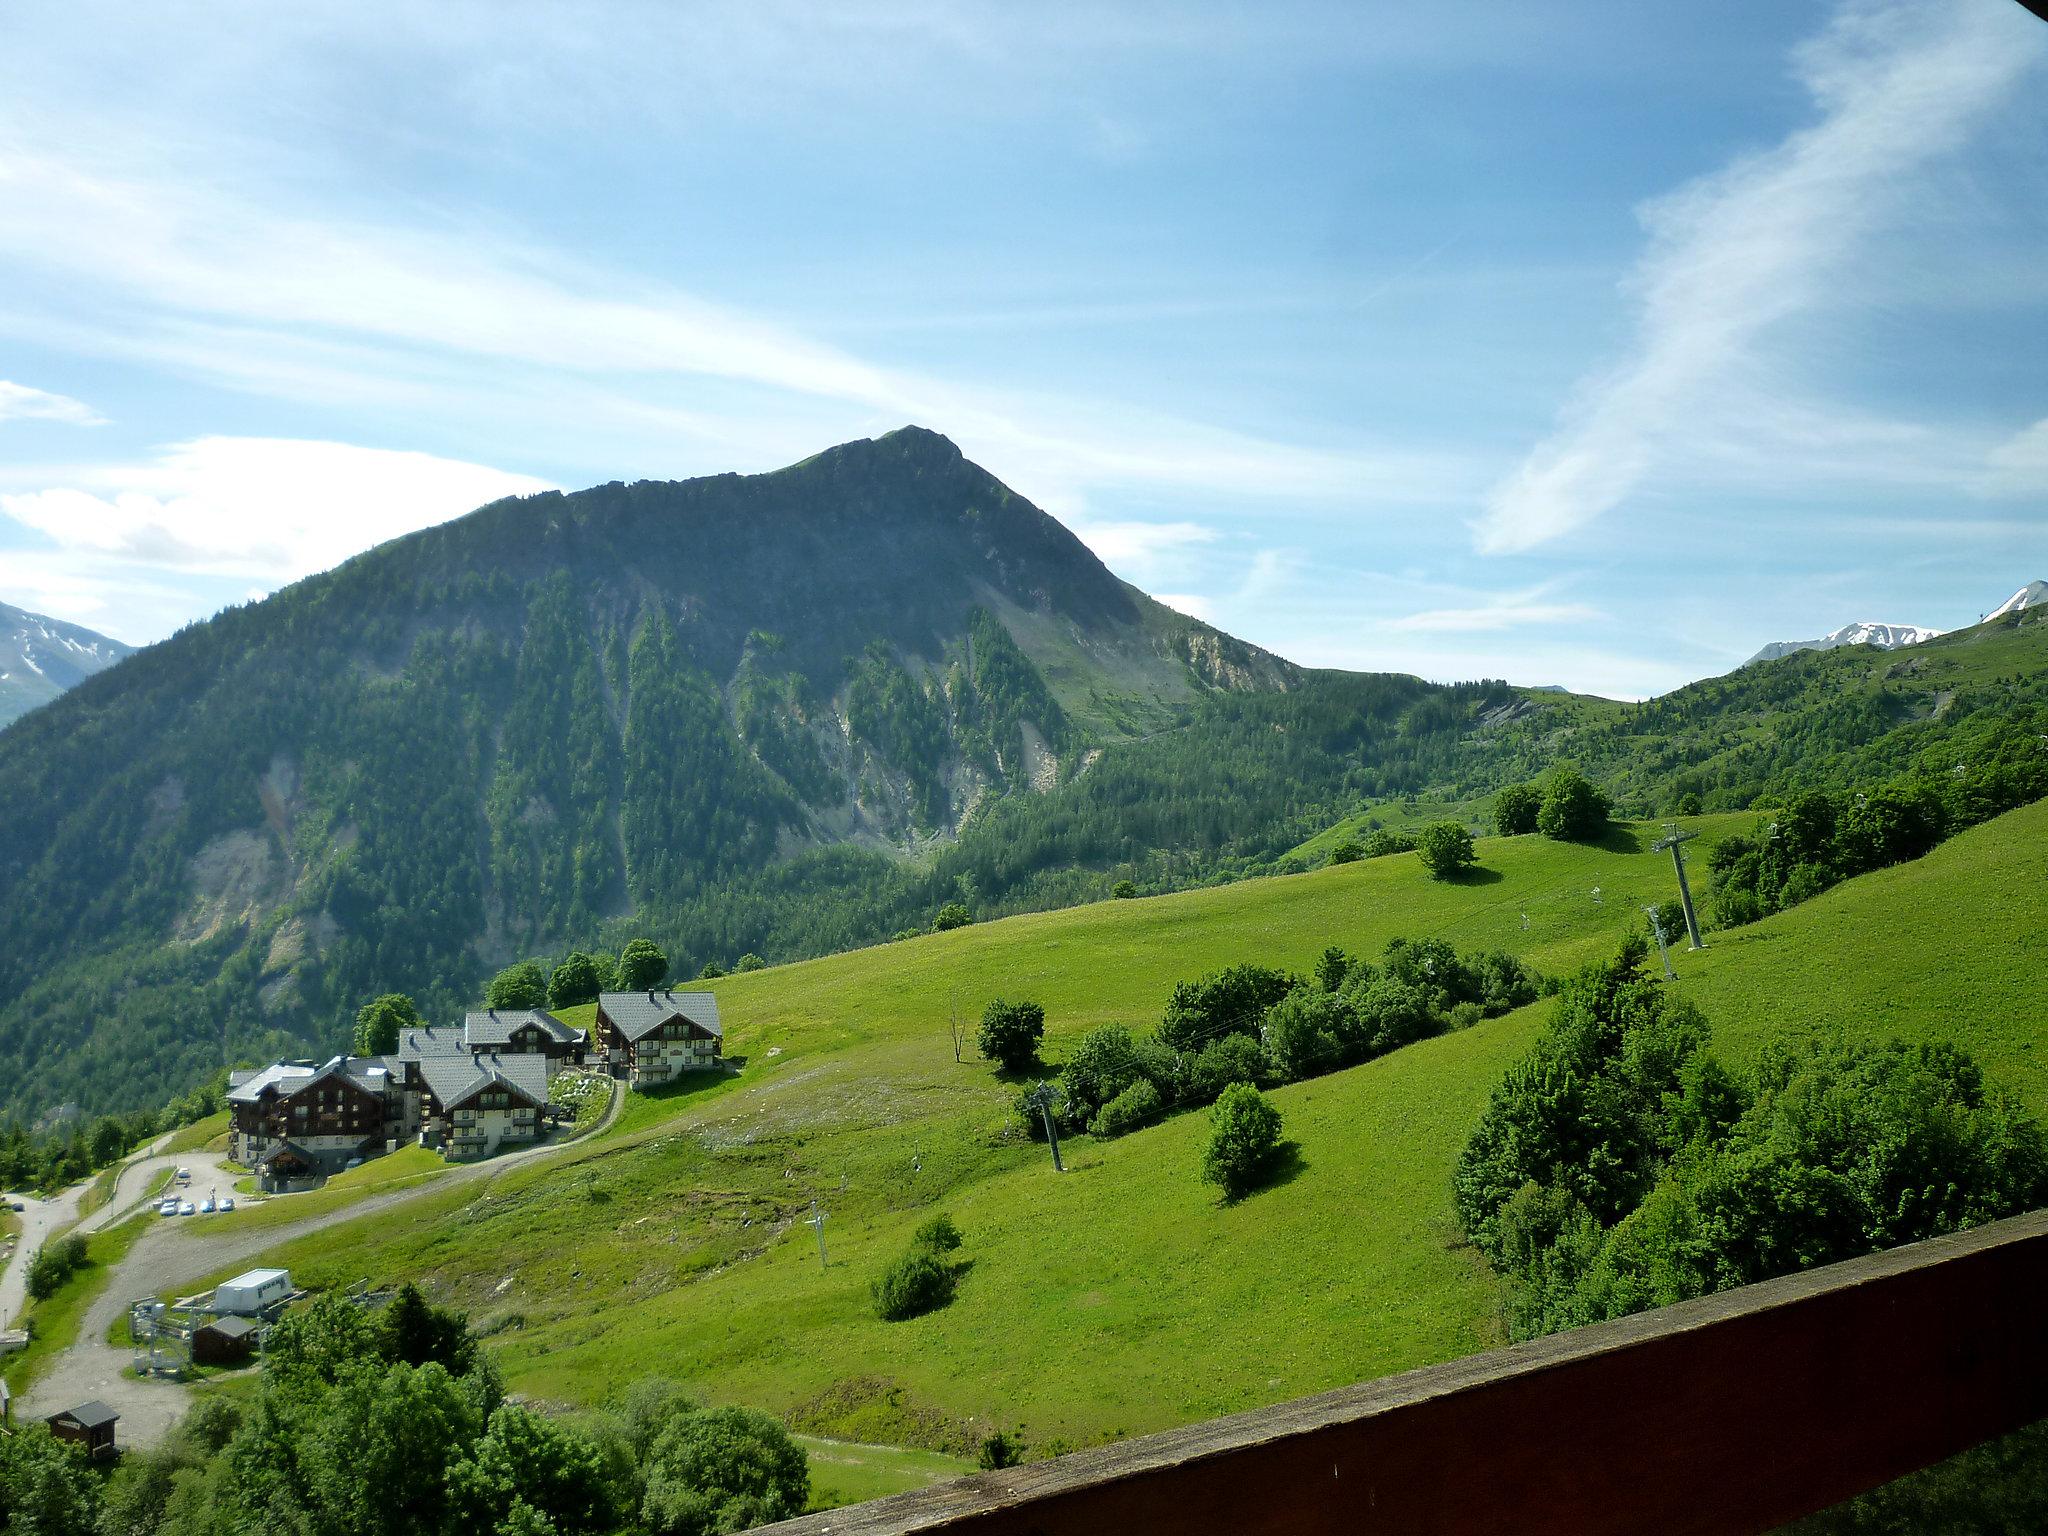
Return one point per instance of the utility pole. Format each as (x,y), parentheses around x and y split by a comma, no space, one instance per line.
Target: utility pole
(1676,840)
(1041,1100)
(817,1219)
(1664,954)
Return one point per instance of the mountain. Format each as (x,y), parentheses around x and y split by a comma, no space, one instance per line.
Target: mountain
(41,657)
(2033,595)
(1886,637)
(788,714)
(558,715)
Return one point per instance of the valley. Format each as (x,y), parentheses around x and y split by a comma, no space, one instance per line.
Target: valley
(678,1236)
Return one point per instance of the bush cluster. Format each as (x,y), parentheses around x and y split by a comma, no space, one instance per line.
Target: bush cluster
(1620,1166)
(1563,805)
(923,1279)
(53,1264)
(372,1424)
(1256,1026)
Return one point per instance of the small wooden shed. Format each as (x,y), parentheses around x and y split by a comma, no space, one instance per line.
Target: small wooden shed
(224,1341)
(89,1424)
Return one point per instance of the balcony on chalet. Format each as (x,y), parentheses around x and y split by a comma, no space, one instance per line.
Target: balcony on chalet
(1729,1415)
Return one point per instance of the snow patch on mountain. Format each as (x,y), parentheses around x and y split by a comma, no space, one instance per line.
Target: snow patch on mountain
(40,657)
(2033,595)
(1886,637)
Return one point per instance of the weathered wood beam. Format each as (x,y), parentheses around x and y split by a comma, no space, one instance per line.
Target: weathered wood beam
(1719,1417)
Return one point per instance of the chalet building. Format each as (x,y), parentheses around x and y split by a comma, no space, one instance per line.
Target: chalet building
(653,1037)
(524,1031)
(90,1425)
(477,1104)
(296,1122)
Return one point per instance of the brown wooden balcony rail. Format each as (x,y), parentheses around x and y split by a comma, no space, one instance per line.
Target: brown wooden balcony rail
(1731,1414)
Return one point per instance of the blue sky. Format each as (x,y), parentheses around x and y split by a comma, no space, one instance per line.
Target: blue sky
(1593,344)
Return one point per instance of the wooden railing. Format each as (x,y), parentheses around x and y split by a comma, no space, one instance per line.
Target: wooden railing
(1731,1414)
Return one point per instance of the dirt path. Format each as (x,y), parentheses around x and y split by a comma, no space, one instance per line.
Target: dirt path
(172,1254)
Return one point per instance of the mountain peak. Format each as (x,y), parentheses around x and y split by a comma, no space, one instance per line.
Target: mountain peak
(41,657)
(2033,595)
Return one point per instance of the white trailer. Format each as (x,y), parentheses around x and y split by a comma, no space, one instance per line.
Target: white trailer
(252,1291)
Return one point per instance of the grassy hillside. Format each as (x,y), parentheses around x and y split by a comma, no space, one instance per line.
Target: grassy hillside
(1122,1297)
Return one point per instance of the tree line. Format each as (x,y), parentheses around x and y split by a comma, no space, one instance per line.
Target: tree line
(395,1423)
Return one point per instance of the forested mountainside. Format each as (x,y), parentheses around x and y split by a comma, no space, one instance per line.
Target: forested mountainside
(787,713)
(560,710)
(40,657)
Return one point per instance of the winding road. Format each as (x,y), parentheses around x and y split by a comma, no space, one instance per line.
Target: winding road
(170,1255)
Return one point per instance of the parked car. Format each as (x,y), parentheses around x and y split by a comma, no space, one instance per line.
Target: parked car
(227,1202)
(186,1208)
(206,1206)
(167,1208)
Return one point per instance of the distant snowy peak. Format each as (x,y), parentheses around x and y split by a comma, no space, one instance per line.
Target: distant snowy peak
(2033,595)
(1886,637)
(41,657)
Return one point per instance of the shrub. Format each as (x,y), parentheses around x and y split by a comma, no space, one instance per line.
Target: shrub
(1064,1114)
(1123,890)
(1103,1065)
(1305,1033)
(1138,1105)
(721,1469)
(1515,808)
(1245,1137)
(53,1264)
(1347,851)
(1669,916)
(523,985)
(1010,1034)
(711,972)
(1232,999)
(953,914)
(999,1451)
(1233,1059)
(1446,848)
(915,1284)
(642,966)
(1572,810)
(749,962)
(1384,842)
(936,1234)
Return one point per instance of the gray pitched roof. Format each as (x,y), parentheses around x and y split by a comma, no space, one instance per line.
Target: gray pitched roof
(370,1073)
(494,1026)
(636,1015)
(430,1040)
(452,1079)
(229,1327)
(89,1415)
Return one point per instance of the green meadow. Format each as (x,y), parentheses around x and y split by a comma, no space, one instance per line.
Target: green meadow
(1122,1296)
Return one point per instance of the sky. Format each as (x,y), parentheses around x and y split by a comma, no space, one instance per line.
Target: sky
(1590,344)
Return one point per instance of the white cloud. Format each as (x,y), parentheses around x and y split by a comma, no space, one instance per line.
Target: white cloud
(268,509)
(1736,253)
(1139,549)
(1191,604)
(233,290)
(1490,618)
(18,402)
(2019,465)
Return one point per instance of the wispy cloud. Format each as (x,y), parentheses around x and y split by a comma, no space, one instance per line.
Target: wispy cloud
(18,402)
(1737,253)
(1139,550)
(222,287)
(1489,618)
(264,508)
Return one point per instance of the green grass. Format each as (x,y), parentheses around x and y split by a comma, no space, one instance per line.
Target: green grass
(1123,1297)
(100,1191)
(54,1321)
(199,1135)
(846,1472)
(380,1175)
